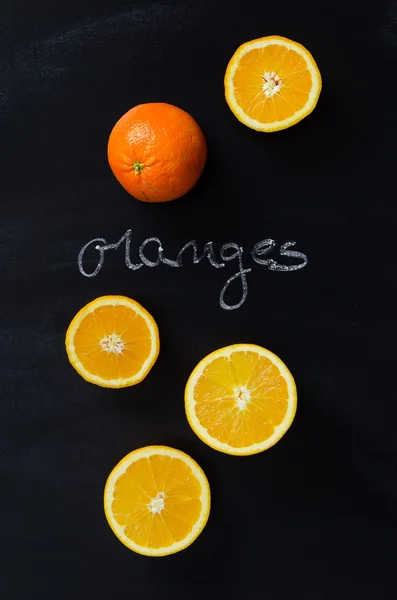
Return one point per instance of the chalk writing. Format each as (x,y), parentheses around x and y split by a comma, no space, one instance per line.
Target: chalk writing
(228,252)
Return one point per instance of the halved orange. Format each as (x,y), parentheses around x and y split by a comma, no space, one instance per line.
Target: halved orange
(272,83)
(157,500)
(240,399)
(113,342)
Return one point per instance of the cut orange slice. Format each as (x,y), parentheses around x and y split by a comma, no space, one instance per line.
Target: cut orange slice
(113,342)
(240,399)
(272,83)
(157,500)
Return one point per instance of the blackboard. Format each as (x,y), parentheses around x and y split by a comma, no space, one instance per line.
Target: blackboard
(313,517)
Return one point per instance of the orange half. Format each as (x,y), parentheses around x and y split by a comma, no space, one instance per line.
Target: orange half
(272,83)
(157,500)
(240,399)
(113,342)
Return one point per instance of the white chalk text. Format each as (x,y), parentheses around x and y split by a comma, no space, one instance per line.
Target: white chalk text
(228,253)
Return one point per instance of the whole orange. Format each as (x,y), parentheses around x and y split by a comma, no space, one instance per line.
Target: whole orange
(157,152)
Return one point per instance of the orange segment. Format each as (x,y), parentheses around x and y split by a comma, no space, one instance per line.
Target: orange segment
(240,399)
(272,83)
(157,500)
(113,342)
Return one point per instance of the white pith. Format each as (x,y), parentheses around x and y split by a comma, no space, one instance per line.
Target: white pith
(112,343)
(242,396)
(272,84)
(156,505)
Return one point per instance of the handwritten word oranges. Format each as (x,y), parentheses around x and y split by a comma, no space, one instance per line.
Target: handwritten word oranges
(157,152)
(157,500)
(113,342)
(240,399)
(272,83)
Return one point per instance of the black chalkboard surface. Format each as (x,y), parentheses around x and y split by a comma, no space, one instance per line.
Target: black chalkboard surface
(313,517)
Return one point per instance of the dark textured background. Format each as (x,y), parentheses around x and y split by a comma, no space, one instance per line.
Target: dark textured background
(314,517)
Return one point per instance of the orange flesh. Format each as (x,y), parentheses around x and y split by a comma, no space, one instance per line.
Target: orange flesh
(217,392)
(142,482)
(107,320)
(248,81)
